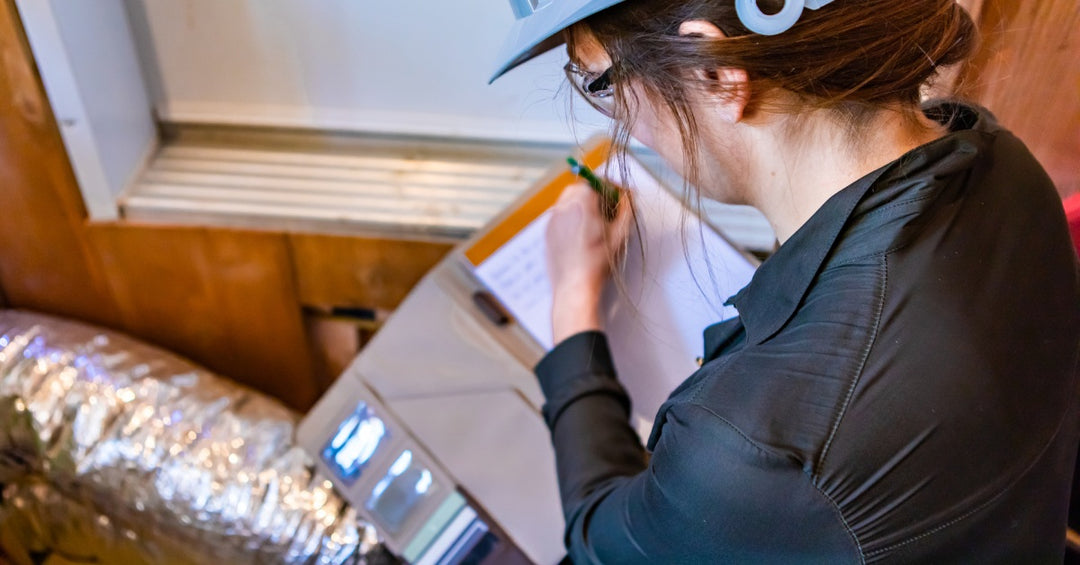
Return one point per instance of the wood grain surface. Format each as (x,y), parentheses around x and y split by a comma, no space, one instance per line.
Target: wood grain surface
(46,264)
(360,272)
(223,297)
(1028,73)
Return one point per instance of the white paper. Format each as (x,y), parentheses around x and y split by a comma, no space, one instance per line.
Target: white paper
(517,274)
(677,276)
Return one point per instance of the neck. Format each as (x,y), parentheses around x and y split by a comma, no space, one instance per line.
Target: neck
(795,170)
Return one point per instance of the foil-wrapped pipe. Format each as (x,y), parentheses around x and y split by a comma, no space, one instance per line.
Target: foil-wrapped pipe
(147,458)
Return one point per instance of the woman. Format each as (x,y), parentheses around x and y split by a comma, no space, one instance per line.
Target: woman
(900,384)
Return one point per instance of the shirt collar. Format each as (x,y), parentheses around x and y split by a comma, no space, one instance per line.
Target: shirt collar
(773,295)
(778,286)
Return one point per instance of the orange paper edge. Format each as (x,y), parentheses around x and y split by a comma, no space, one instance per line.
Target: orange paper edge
(597,153)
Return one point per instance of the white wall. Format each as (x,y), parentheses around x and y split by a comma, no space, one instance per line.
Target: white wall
(91,74)
(398,66)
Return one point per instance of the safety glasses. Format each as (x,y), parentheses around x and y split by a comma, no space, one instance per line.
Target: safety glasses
(596,88)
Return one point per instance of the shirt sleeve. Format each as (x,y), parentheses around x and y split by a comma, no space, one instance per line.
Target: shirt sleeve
(588,413)
(708,494)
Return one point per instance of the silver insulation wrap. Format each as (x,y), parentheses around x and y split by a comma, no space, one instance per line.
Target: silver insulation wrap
(113,449)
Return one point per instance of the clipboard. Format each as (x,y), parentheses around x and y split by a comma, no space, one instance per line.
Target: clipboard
(452,379)
(679,271)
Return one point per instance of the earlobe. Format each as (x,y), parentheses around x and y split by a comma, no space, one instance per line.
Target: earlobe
(734,93)
(729,90)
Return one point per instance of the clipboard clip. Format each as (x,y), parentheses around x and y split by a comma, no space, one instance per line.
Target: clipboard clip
(491,308)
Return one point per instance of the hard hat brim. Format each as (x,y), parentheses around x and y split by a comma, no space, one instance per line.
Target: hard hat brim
(542,31)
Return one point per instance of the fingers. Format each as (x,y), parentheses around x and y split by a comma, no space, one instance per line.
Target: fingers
(580,203)
(578,192)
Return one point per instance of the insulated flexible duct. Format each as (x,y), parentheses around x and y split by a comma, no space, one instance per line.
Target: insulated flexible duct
(117,452)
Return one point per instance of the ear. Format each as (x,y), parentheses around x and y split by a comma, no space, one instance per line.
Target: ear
(730,85)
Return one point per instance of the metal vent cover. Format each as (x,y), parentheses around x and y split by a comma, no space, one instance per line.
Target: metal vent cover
(440,192)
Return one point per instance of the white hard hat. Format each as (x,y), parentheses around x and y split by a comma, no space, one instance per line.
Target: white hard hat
(539,28)
(540,24)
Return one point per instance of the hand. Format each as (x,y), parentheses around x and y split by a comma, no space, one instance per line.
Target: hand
(581,250)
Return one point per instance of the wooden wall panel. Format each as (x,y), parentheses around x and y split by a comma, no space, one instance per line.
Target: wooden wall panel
(1028,73)
(360,272)
(225,298)
(46,264)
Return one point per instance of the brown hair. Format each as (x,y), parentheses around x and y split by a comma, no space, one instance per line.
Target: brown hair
(852,56)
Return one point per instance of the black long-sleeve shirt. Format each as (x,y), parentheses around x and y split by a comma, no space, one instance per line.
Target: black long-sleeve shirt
(900,385)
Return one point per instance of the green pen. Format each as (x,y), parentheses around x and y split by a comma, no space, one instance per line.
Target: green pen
(609,195)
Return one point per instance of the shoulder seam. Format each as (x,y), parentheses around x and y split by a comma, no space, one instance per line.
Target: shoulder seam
(814,476)
(863,357)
